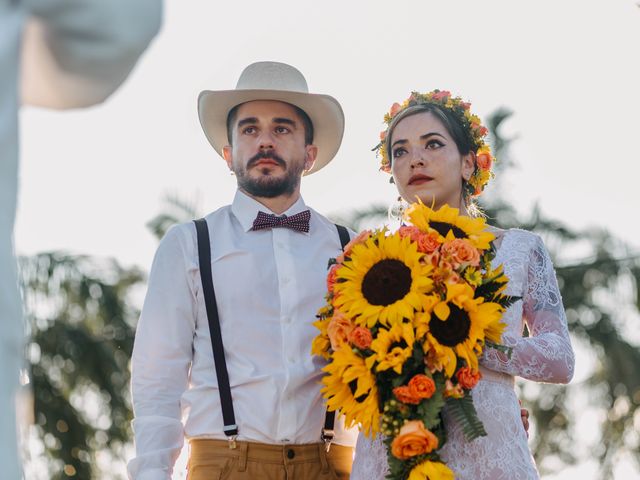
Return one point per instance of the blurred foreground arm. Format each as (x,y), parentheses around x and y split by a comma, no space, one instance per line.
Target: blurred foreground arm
(77,52)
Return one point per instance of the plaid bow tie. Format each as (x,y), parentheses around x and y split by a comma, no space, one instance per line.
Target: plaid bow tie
(298,222)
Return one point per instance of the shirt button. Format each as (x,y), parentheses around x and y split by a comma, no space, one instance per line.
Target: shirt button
(290,454)
(286,319)
(292,360)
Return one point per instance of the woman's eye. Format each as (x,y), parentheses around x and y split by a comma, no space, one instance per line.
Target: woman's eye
(398,152)
(433,144)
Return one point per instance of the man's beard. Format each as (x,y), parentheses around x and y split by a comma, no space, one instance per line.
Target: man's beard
(268,186)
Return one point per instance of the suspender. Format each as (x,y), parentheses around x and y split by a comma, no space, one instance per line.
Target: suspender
(228,416)
(204,257)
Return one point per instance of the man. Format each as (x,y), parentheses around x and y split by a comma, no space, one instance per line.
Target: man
(269,256)
(56,54)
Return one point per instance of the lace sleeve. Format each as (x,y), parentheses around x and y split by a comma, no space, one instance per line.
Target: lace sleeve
(370,461)
(547,355)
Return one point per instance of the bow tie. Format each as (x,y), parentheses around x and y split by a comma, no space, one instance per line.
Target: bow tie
(298,222)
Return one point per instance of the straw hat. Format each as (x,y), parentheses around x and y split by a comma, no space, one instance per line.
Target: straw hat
(281,82)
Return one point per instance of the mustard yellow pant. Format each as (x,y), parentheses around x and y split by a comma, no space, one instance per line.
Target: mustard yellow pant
(214,460)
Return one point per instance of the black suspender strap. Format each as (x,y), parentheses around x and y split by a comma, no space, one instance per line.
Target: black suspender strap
(204,258)
(344,235)
(328,431)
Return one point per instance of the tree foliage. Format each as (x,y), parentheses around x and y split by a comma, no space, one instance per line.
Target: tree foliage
(81,325)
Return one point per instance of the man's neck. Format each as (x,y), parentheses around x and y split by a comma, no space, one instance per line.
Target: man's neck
(279,204)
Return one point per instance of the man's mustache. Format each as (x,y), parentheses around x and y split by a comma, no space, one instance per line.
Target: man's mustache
(266,154)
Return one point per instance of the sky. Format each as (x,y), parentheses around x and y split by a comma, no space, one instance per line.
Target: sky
(91,179)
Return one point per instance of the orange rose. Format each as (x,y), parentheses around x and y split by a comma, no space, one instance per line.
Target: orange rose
(422,386)
(413,440)
(383,135)
(467,378)
(360,337)
(461,252)
(395,108)
(338,329)
(331,277)
(406,395)
(484,161)
(428,242)
(483,131)
(409,231)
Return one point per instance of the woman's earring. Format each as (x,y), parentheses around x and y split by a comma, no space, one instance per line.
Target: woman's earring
(397,209)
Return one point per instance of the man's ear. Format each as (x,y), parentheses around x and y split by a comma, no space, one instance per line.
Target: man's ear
(228,155)
(311,152)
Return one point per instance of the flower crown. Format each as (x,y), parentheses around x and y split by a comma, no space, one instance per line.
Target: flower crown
(470,123)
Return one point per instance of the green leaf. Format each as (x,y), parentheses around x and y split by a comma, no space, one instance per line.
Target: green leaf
(429,409)
(463,411)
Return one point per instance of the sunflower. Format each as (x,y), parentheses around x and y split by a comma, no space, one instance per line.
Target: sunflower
(458,327)
(320,345)
(393,347)
(449,224)
(383,280)
(350,387)
(429,470)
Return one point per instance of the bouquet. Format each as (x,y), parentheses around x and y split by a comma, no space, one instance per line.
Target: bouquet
(407,316)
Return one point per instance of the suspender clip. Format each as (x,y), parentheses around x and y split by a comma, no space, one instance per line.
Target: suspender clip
(327,438)
(231,431)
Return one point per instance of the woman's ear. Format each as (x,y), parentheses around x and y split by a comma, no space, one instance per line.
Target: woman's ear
(468,165)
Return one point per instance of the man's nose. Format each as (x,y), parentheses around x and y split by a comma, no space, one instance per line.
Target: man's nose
(266,141)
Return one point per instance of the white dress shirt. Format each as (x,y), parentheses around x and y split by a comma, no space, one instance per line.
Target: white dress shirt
(269,286)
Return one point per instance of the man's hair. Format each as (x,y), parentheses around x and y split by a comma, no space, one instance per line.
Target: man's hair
(306,123)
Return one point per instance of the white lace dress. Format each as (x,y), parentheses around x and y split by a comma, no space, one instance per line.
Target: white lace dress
(545,356)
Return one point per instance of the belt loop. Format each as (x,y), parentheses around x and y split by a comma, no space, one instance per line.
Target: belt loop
(324,462)
(244,453)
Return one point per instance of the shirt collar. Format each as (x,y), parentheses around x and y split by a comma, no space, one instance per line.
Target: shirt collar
(245,209)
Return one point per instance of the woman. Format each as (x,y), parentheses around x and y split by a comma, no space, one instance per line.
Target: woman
(435,149)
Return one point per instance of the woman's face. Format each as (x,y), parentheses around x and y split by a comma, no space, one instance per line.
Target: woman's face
(426,163)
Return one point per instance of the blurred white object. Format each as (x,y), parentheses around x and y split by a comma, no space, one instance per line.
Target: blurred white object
(55,54)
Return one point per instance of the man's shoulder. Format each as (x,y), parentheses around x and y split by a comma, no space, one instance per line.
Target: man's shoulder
(185,231)
(328,224)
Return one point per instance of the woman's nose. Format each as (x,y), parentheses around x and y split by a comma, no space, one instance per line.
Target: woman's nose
(417,158)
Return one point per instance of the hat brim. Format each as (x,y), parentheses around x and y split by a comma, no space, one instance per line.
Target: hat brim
(324,112)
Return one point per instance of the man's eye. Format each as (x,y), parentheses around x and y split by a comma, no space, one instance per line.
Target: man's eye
(249,130)
(398,152)
(282,130)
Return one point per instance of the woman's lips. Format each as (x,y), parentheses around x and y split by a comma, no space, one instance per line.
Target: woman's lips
(419,179)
